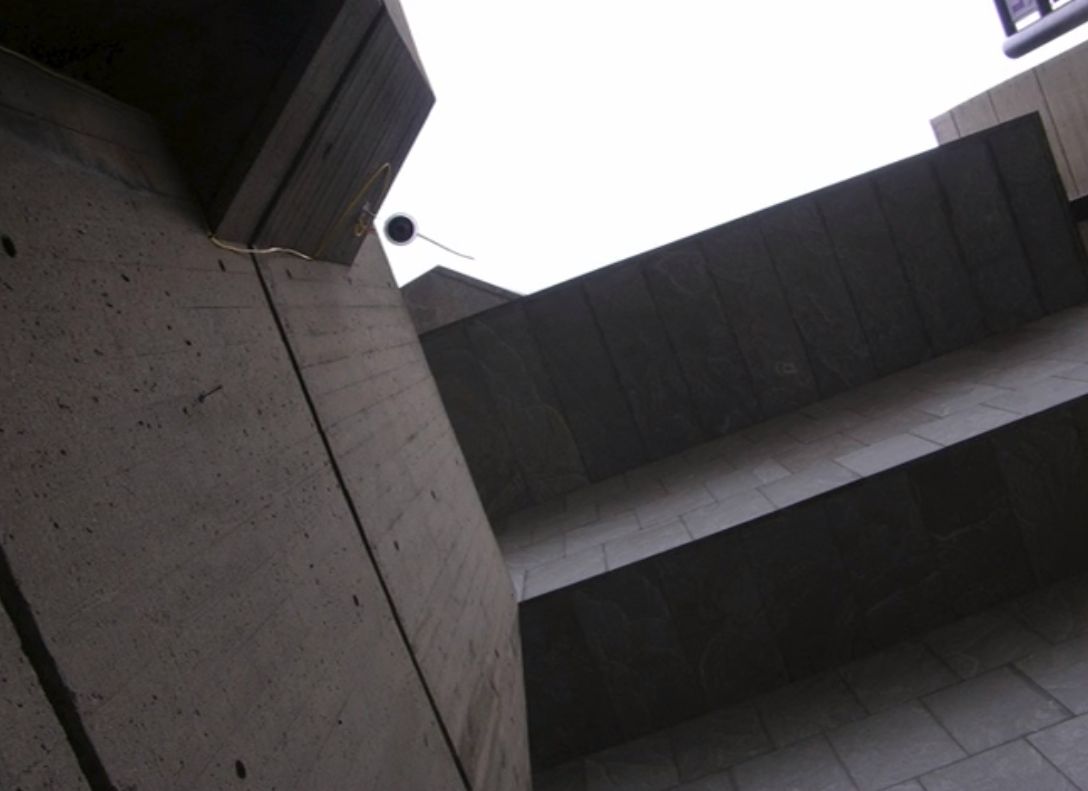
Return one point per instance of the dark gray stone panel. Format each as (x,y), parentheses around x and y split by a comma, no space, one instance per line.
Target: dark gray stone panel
(570,714)
(1046,473)
(627,625)
(759,314)
(987,234)
(870,265)
(525,401)
(706,347)
(916,215)
(585,381)
(714,599)
(965,506)
(495,471)
(644,359)
(890,558)
(821,305)
(1041,210)
(812,611)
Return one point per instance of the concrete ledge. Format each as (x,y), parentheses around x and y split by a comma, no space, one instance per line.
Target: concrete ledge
(760,317)
(813,585)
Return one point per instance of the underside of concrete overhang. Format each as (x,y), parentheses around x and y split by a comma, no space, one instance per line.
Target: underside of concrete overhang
(283,113)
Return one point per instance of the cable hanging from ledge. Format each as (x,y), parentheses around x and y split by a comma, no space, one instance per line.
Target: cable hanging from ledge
(363,223)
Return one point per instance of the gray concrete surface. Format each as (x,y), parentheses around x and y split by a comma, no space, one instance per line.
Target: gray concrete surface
(993,702)
(441,296)
(772,465)
(761,316)
(34,752)
(1056,91)
(175,522)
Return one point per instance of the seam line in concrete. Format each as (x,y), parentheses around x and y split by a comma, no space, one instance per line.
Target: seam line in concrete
(350,501)
(59,696)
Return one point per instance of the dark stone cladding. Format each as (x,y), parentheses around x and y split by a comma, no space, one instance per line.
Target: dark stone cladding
(761,316)
(805,589)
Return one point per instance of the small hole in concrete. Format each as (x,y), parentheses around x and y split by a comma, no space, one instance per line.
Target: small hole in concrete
(396,546)
(222,266)
(355,599)
(240,770)
(9,246)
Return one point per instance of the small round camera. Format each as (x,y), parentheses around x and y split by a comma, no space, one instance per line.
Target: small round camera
(400,229)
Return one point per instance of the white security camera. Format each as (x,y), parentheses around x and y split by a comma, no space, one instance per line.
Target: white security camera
(400,229)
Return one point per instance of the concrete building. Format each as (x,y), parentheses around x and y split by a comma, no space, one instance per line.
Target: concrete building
(239,544)
(797,502)
(441,296)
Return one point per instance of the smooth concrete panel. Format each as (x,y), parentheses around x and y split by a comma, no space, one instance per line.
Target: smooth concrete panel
(441,296)
(944,128)
(983,224)
(916,214)
(820,303)
(965,505)
(702,338)
(974,115)
(1045,468)
(644,359)
(627,627)
(593,399)
(815,619)
(1039,206)
(756,308)
(1022,95)
(1062,81)
(525,401)
(467,398)
(874,275)
(889,557)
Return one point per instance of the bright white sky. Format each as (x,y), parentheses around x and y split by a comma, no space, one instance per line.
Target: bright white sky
(569,134)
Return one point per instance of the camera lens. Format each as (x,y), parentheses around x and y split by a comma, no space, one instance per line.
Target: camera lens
(400,229)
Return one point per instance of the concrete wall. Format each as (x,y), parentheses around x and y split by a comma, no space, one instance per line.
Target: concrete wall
(442,296)
(1057,91)
(807,588)
(34,753)
(759,316)
(278,109)
(241,527)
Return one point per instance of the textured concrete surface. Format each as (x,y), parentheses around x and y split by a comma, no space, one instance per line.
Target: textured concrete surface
(900,721)
(377,404)
(441,296)
(254,98)
(830,444)
(765,315)
(667,627)
(175,522)
(34,753)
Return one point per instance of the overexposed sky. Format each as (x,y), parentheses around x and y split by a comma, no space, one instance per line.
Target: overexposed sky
(568,135)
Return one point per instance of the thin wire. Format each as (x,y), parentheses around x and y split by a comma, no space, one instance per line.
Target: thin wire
(362,225)
(447,249)
(256,250)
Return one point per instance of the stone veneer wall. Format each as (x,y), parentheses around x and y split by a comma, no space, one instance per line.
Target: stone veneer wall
(238,537)
(807,588)
(757,317)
